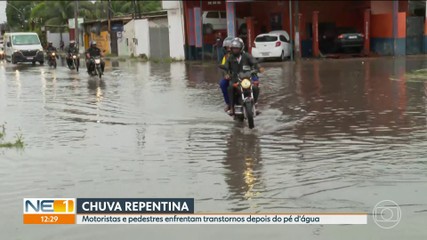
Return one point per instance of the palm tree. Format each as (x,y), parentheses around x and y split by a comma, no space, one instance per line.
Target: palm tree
(18,14)
(57,13)
(120,7)
(99,9)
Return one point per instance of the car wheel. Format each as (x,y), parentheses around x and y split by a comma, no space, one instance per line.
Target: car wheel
(41,62)
(282,57)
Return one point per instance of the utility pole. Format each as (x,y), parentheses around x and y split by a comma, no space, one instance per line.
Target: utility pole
(139,10)
(291,30)
(395,15)
(297,32)
(109,16)
(76,23)
(134,8)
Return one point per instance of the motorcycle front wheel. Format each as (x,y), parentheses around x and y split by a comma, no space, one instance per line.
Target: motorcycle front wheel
(98,70)
(249,109)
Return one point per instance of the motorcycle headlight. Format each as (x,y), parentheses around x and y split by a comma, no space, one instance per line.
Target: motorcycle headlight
(53,54)
(74,56)
(246,83)
(97,61)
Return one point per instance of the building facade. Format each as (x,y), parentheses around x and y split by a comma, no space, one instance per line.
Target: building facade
(389,27)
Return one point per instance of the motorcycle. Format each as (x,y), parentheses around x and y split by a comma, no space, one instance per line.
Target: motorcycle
(52,59)
(75,64)
(97,71)
(244,101)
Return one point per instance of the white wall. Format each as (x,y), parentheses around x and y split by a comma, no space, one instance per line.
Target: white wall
(122,48)
(142,35)
(166,5)
(136,32)
(55,38)
(128,34)
(176,28)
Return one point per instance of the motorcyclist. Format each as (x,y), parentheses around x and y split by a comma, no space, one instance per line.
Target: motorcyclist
(223,83)
(240,61)
(50,49)
(71,50)
(93,51)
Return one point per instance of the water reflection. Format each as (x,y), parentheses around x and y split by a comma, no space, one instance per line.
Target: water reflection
(95,85)
(18,84)
(199,75)
(115,64)
(347,105)
(244,162)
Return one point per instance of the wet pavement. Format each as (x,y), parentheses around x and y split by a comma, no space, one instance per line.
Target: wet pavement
(333,136)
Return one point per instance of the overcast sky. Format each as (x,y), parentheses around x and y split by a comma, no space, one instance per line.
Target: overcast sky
(2,11)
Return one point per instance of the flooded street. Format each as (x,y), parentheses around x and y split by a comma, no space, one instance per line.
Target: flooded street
(333,136)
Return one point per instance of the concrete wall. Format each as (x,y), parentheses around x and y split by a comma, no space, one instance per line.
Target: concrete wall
(382,41)
(102,41)
(176,30)
(55,38)
(128,35)
(169,5)
(121,44)
(381,7)
(142,36)
(159,38)
(135,38)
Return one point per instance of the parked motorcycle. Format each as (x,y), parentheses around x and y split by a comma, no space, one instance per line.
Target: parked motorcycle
(52,59)
(244,101)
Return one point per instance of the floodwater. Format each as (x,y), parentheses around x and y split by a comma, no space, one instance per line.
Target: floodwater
(333,136)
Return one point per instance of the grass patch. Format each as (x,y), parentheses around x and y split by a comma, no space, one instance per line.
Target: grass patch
(17,143)
(164,60)
(417,75)
(143,58)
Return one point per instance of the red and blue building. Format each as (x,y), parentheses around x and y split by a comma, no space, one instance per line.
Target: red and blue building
(389,27)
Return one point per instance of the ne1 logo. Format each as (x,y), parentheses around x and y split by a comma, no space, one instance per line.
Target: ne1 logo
(49,205)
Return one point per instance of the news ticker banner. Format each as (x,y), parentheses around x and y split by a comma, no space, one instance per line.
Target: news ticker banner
(160,211)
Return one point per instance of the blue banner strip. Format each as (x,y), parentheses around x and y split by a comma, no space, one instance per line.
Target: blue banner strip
(198,26)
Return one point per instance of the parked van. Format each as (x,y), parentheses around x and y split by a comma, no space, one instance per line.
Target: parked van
(23,47)
(217,20)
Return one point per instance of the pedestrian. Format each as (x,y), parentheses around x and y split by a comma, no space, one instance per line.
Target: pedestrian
(219,48)
(61,45)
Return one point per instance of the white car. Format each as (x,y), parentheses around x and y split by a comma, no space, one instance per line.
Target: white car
(217,20)
(274,44)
